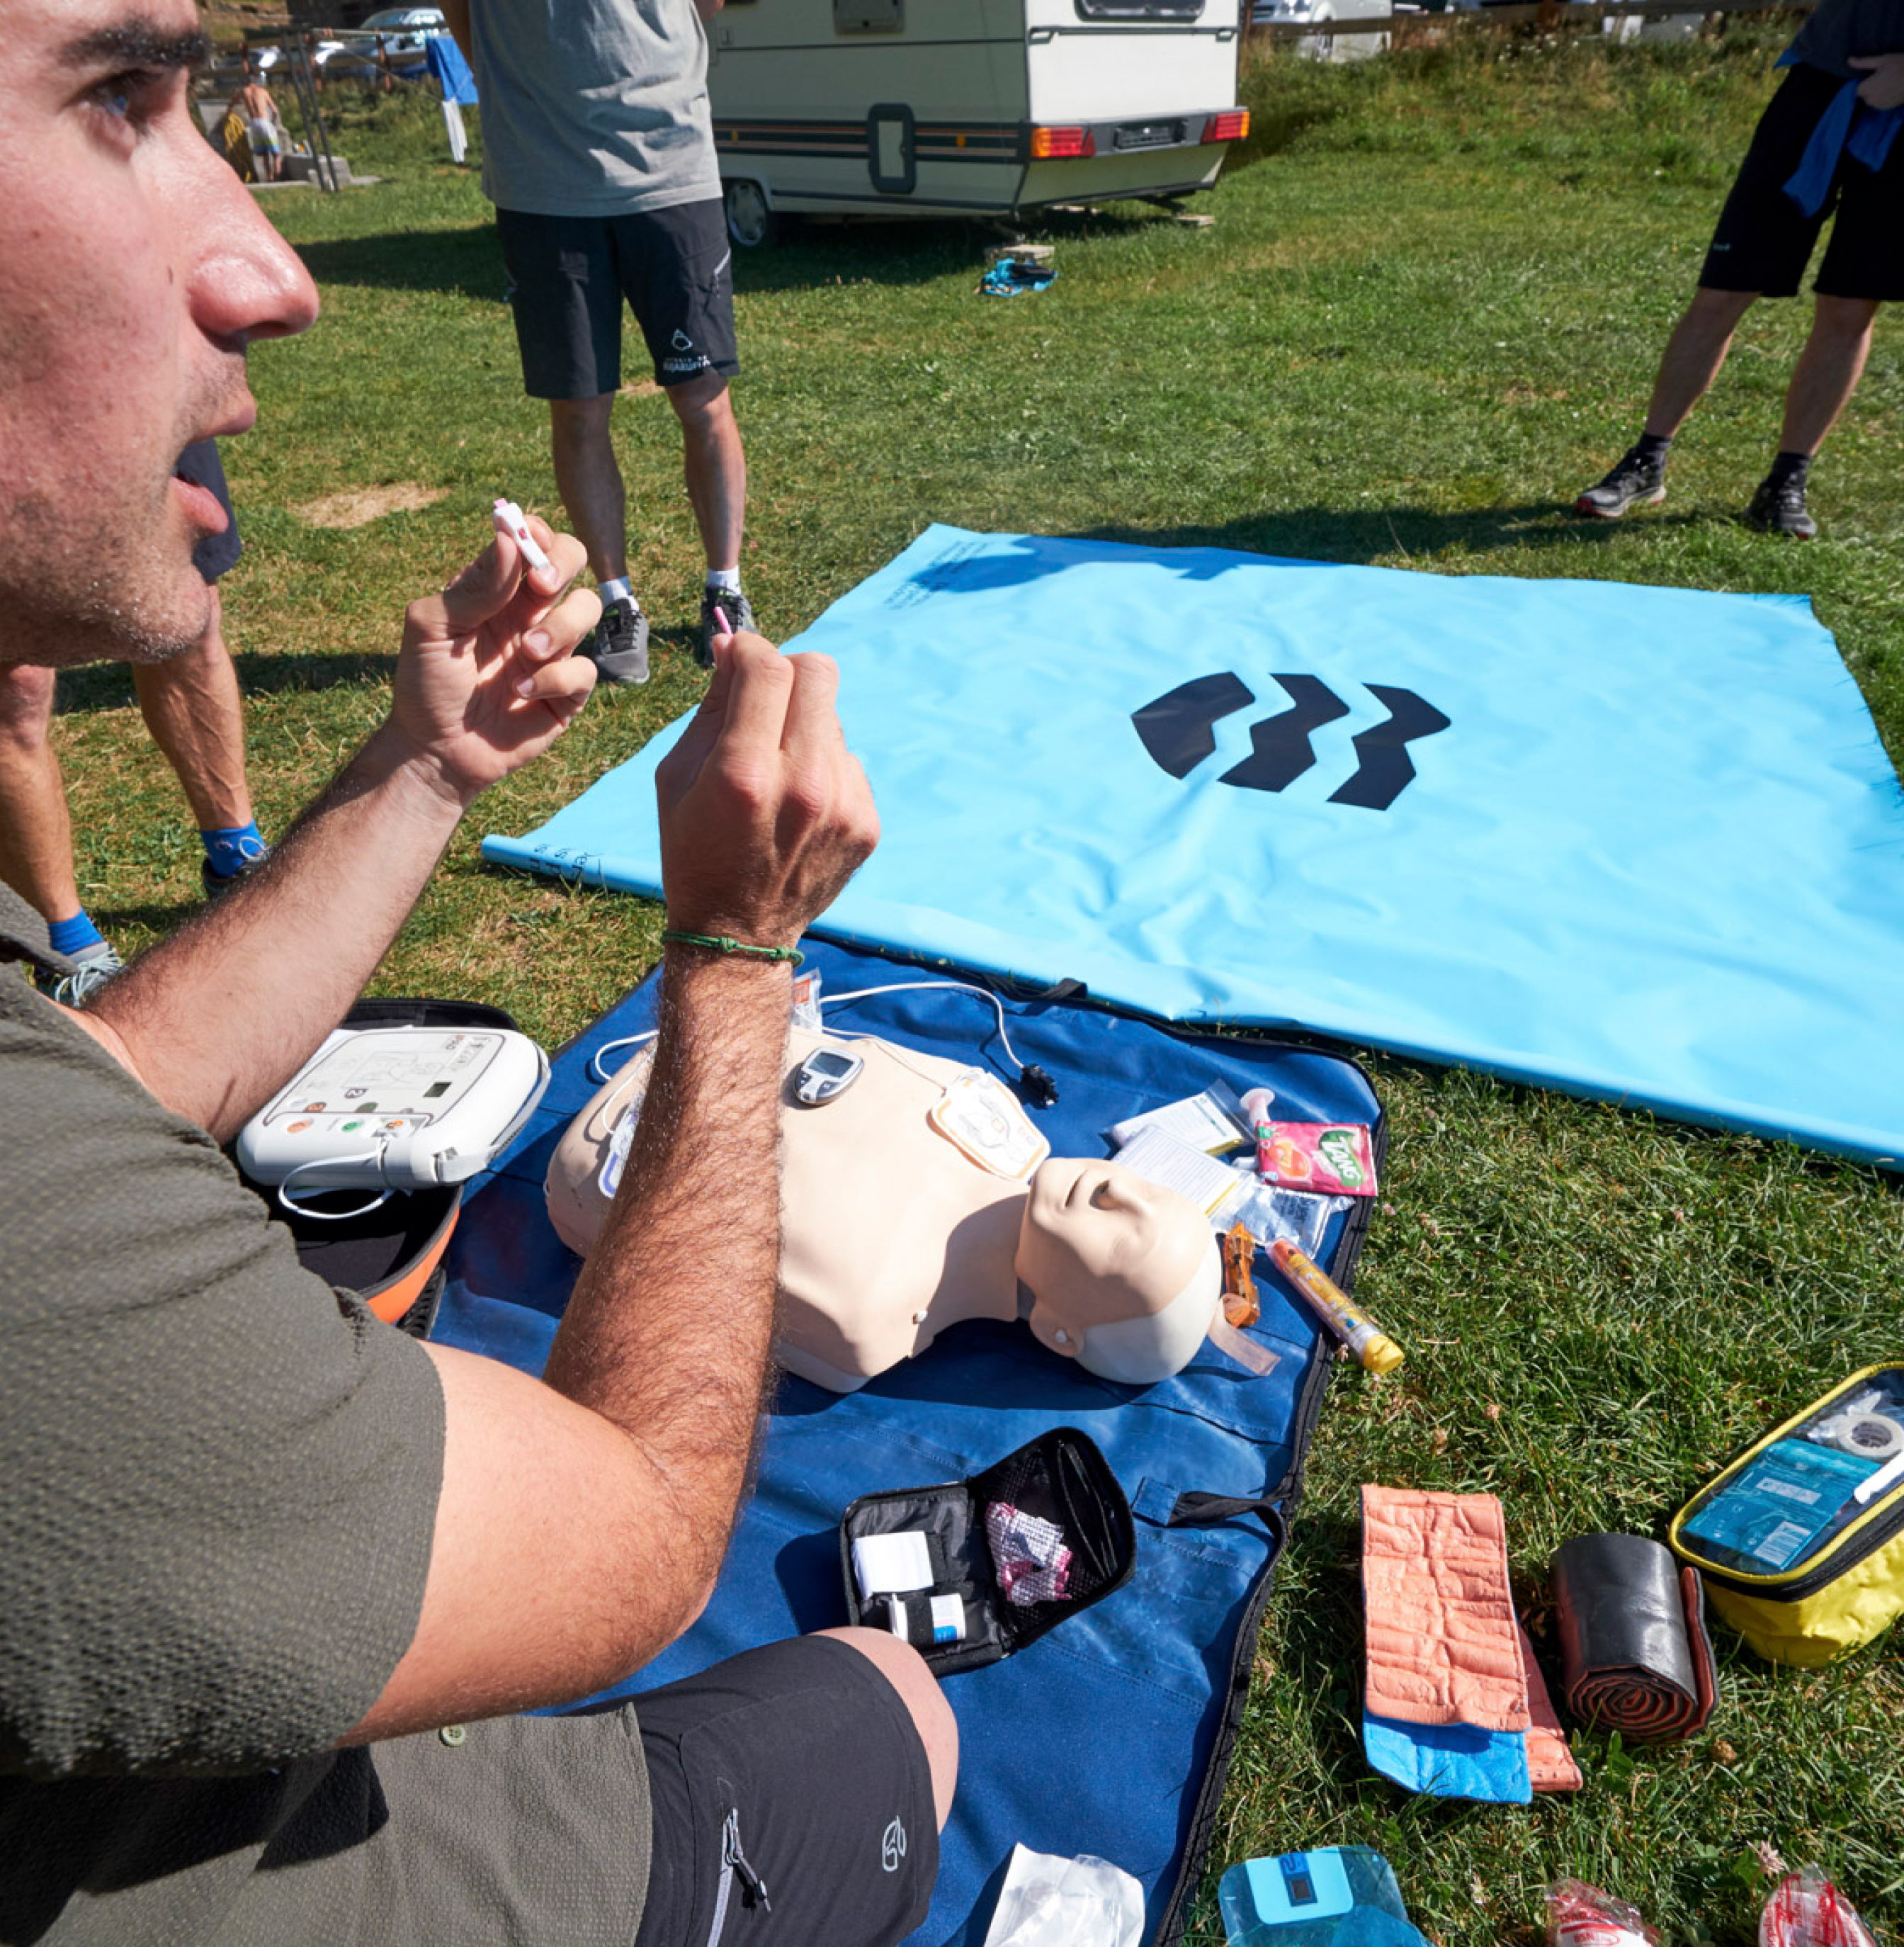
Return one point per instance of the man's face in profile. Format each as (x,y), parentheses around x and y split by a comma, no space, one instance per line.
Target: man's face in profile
(134,270)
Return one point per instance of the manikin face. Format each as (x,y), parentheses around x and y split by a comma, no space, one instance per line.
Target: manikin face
(1125,1275)
(134,269)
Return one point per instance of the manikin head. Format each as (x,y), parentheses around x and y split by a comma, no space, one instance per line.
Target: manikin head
(1126,1277)
(134,269)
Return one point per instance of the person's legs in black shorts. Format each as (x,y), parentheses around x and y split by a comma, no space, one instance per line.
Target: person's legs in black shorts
(569,277)
(793,1797)
(1759,248)
(677,270)
(565,293)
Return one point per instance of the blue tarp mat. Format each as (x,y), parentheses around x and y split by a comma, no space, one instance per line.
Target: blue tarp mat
(1641,844)
(1100,1737)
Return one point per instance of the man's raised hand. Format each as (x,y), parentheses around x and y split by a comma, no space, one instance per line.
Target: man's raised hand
(487,679)
(765,814)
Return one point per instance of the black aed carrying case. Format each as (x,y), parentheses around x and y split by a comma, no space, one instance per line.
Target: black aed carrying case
(1060,1479)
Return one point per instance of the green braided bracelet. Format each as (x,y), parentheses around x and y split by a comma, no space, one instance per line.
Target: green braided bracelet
(722,943)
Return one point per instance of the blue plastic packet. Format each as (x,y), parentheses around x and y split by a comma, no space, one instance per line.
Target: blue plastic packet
(1342,1896)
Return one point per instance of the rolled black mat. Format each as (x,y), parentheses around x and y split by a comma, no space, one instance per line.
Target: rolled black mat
(1635,1655)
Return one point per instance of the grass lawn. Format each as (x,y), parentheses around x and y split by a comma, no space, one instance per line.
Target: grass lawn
(1427,317)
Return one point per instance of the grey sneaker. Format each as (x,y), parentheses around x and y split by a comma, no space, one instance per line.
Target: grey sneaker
(617,645)
(91,970)
(735,606)
(1636,481)
(217,884)
(1779,508)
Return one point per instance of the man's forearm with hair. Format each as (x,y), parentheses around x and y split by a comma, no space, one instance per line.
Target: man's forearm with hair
(668,1332)
(215,1018)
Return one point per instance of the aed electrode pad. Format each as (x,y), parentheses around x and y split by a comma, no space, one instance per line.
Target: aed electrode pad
(405,1108)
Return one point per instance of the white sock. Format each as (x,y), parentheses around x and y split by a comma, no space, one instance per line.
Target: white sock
(727,579)
(617,590)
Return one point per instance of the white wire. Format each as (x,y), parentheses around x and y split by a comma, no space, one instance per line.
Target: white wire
(597,1073)
(325,1162)
(916,986)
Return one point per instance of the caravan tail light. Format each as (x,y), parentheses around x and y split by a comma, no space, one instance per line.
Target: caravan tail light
(1048,144)
(1231,125)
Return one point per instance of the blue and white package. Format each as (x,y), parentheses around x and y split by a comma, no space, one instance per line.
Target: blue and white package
(1335,1896)
(1780,1504)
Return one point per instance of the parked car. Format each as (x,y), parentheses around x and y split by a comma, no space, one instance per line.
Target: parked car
(1320,45)
(405,30)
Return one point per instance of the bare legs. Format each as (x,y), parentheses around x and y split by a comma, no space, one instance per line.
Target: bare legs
(1826,374)
(590,481)
(1827,371)
(192,707)
(716,465)
(1693,356)
(35,831)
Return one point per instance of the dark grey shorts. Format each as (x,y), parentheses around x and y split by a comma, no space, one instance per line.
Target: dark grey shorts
(568,276)
(795,1768)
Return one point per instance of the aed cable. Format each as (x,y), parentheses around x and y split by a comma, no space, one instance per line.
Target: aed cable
(298,1209)
(1035,1079)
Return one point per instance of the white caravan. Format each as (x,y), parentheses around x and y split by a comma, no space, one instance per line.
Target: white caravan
(967,107)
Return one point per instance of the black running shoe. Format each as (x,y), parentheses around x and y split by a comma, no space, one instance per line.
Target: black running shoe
(617,645)
(735,606)
(1637,482)
(1779,508)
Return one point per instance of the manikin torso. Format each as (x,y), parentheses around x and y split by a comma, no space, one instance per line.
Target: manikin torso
(892,1234)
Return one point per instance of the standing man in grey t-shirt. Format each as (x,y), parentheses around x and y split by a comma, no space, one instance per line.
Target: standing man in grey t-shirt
(598,154)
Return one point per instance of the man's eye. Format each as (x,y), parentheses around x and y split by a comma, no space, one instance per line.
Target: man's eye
(119,95)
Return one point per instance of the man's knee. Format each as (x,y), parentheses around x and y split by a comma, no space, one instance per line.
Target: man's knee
(579,422)
(702,401)
(905,1669)
(1842,317)
(1711,306)
(25,706)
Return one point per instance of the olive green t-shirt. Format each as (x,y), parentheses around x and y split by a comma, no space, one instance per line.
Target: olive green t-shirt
(219,1481)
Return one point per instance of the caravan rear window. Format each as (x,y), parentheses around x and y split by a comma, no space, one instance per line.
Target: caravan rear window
(1140,9)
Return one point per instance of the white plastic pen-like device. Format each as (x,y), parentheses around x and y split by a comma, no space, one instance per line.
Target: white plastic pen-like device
(509,520)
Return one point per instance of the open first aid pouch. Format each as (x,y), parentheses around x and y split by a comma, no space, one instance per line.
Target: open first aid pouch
(969,1572)
(1800,1541)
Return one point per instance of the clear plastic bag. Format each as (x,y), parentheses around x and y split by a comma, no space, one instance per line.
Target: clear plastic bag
(1047,1900)
(1580,1915)
(1805,1909)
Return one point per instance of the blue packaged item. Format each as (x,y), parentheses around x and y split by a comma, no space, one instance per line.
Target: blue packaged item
(1800,1541)
(1342,1896)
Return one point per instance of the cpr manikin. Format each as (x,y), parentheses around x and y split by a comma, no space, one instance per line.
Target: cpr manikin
(891,1232)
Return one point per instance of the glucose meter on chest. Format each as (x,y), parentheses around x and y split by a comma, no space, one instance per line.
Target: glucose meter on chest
(400,1108)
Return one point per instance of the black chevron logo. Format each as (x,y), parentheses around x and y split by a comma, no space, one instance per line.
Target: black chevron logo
(1178,729)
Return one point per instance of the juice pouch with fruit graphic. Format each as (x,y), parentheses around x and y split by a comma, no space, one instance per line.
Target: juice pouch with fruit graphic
(1332,1158)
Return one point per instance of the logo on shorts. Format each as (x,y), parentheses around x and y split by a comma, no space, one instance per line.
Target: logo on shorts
(681,342)
(892,1846)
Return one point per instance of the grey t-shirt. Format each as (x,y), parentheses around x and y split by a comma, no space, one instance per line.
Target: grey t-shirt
(1840,29)
(593,107)
(219,1481)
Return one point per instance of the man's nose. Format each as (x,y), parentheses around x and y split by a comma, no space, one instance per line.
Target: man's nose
(245,282)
